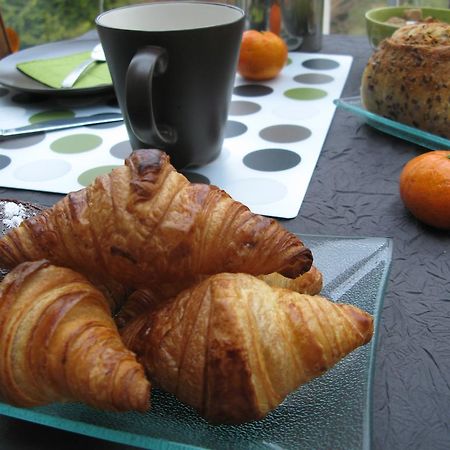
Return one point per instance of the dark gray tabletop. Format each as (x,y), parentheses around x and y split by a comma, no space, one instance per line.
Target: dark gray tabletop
(354,192)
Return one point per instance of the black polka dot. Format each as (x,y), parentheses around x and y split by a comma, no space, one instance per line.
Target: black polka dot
(28,97)
(22,142)
(243,108)
(252,90)
(285,133)
(194,177)
(121,150)
(271,159)
(3,92)
(320,64)
(234,129)
(313,78)
(4,161)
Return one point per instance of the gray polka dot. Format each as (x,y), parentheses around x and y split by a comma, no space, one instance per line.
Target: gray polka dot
(3,92)
(234,129)
(22,142)
(4,161)
(243,108)
(271,159)
(252,90)
(121,150)
(285,133)
(43,170)
(196,177)
(320,64)
(313,78)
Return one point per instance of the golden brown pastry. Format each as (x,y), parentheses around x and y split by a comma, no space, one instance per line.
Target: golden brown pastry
(233,347)
(407,78)
(145,223)
(59,343)
(310,282)
(143,299)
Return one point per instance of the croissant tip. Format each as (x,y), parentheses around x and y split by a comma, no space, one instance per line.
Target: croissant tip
(147,160)
(300,264)
(141,401)
(363,322)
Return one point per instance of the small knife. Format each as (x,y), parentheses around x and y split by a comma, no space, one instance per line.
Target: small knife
(62,124)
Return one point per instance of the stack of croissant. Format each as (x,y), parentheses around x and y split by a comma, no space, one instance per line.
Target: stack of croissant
(145,278)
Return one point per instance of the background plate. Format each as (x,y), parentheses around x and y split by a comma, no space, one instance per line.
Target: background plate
(333,411)
(423,138)
(12,77)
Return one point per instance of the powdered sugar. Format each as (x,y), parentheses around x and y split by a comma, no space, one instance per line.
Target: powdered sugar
(13,213)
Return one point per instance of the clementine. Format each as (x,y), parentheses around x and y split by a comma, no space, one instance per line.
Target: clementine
(262,55)
(425,188)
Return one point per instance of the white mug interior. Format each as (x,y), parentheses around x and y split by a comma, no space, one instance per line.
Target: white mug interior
(173,16)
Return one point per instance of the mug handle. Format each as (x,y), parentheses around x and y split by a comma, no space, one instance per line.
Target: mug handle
(147,63)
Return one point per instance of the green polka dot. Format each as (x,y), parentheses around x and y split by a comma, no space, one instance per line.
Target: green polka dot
(288,61)
(86,178)
(43,116)
(305,93)
(76,143)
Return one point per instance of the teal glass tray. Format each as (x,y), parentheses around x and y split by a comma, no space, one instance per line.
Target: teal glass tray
(397,129)
(333,411)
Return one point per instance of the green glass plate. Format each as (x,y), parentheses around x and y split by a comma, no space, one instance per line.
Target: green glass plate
(333,411)
(397,129)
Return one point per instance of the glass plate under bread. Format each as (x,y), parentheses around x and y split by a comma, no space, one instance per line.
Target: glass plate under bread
(392,127)
(332,411)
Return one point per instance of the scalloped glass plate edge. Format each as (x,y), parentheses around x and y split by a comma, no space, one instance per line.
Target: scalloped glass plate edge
(339,279)
(411,134)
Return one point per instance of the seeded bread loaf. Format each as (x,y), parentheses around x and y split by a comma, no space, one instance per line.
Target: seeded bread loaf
(408,78)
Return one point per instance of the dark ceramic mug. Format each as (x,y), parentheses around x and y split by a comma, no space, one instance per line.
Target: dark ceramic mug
(173,66)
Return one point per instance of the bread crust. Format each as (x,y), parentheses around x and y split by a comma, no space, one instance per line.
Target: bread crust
(408,78)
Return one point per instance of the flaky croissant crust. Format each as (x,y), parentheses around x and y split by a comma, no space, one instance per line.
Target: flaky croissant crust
(141,300)
(58,343)
(233,347)
(146,223)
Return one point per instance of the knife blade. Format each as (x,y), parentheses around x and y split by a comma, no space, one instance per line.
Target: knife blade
(61,124)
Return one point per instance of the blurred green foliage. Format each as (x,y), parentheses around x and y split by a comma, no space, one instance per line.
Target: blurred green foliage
(39,21)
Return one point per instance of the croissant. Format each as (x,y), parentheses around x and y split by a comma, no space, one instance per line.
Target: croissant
(234,347)
(145,223)
(310,282)
(143,299)
(59,343)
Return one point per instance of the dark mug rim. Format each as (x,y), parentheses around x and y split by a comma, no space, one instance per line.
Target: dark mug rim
(98,20)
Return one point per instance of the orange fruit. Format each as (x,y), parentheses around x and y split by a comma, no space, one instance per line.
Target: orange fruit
(425,188)
(262,55)
(13,39)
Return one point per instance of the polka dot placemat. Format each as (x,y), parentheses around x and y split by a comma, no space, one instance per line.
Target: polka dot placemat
(274,135)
